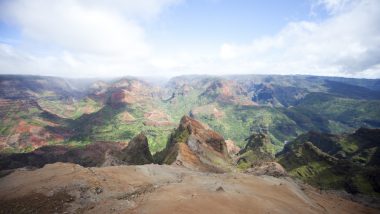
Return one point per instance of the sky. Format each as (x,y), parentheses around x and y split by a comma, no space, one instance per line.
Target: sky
(165,38)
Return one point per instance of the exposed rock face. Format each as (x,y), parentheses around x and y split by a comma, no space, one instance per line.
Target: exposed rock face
(195,146)
(137,152)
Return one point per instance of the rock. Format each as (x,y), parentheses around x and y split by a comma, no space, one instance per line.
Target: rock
(220,189)
(195,146)
(98,190)
(268,168)
(137,152)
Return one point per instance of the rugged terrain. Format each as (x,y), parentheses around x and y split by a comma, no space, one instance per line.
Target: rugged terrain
(243,144)
(38,111)
(198,175)
(347,161)
(71,188)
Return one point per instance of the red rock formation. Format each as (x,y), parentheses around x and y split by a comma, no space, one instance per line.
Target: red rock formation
(195,146)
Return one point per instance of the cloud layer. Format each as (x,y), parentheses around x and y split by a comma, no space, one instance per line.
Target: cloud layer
(106,38)
(78,38)
(347,43)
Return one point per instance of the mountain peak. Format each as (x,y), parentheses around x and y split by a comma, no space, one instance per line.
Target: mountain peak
(195,146)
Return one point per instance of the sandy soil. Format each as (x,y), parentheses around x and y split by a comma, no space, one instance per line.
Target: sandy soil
(70,188)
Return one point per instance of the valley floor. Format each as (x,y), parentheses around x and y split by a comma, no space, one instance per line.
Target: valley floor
(70,188)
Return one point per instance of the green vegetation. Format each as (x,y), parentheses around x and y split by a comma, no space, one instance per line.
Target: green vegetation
(242,166)
(349,112)
(180,136)
(335,161)
(37,111)
(70,109)
(317,111)
(238,122)
(107,125)
(290,106)
(181,105)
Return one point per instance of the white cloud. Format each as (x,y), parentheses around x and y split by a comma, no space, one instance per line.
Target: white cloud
(347,43)
(78,37)
(76,27)
(106,38)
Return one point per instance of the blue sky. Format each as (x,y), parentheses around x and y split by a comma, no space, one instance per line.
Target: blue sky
(219,21)
(96,38)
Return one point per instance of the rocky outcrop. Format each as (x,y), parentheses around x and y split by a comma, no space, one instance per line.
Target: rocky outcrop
(137,152)
(195,146)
